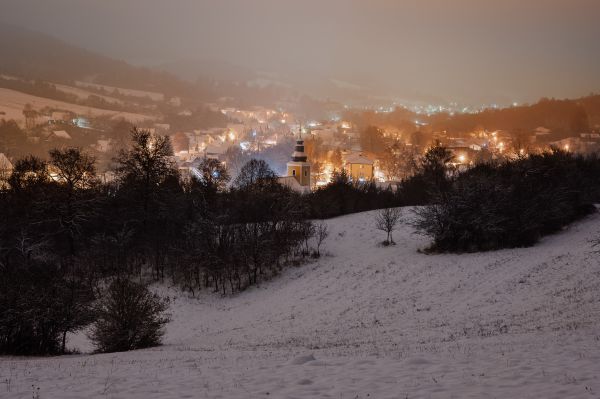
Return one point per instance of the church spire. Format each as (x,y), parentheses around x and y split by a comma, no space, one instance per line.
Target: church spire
(298,167)
(299,155)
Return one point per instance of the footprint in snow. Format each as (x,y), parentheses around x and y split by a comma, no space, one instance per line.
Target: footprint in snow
(302,360)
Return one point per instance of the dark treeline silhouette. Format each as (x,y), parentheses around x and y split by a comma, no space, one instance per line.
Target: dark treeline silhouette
(64,236)
(342,196)
(563,117)
(511,203)
(72,247)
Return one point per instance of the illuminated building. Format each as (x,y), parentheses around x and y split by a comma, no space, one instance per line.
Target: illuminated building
(298,167)
(359,167)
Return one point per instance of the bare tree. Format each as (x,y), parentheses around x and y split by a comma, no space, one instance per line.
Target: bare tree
(255,174)
(74,167)
(211,176)
(386,220)
(30,115)
(321,233)
(146,166)
(76,173)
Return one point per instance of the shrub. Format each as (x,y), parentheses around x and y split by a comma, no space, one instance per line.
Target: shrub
(511,204)
(342,196)
(128,317)
(39,305)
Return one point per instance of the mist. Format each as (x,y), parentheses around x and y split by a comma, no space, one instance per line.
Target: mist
(466,50)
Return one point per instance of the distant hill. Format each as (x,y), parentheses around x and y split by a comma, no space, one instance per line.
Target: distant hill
(268,87)
(561,116)
(34,55)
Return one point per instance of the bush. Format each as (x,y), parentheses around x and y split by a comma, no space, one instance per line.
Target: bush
(39,305)
(342,197)
(511,204)
(128,317)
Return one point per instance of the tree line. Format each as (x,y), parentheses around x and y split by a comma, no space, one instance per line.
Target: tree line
(77,252)
(69,242)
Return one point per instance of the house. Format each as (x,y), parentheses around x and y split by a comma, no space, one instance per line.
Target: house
(163,128)
(59,134)
(359,167)
(463,155)
(541,135)
(542,131)
(61,116)
(215,150)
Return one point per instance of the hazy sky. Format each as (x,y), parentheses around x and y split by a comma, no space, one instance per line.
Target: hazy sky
(454,49)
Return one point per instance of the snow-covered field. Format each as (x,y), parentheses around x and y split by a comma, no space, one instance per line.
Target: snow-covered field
(155,96)
(12,103)
(84,94)
(366,322)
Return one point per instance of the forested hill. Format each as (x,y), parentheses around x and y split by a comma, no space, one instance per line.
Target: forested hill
(576,115)
(34,55)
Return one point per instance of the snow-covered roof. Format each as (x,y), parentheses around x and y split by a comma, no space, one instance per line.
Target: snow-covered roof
(542,130)
(215,149)
(358,158)
(292,183)
(61,134)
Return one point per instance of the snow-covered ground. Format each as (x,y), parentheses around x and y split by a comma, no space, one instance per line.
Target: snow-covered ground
(155,96)
(85,94)
(12,103)
(366,321)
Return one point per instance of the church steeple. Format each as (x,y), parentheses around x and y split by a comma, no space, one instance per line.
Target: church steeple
(299,155)
(298,167)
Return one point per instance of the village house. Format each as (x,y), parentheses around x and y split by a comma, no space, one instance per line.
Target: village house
(359,167)
(58,134)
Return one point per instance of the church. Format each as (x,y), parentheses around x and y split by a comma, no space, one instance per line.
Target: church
(298,170)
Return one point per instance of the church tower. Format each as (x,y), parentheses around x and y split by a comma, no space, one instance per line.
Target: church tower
(298,167)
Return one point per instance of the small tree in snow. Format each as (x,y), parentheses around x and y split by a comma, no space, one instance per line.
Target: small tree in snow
(386,220)
(321,233)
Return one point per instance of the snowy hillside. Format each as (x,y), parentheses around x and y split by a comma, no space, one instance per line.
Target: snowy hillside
(366,321)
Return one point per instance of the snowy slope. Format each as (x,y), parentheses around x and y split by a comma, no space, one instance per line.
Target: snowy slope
(367,321)
(12,103)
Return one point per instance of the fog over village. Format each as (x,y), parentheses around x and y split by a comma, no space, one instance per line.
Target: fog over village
(299,199)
